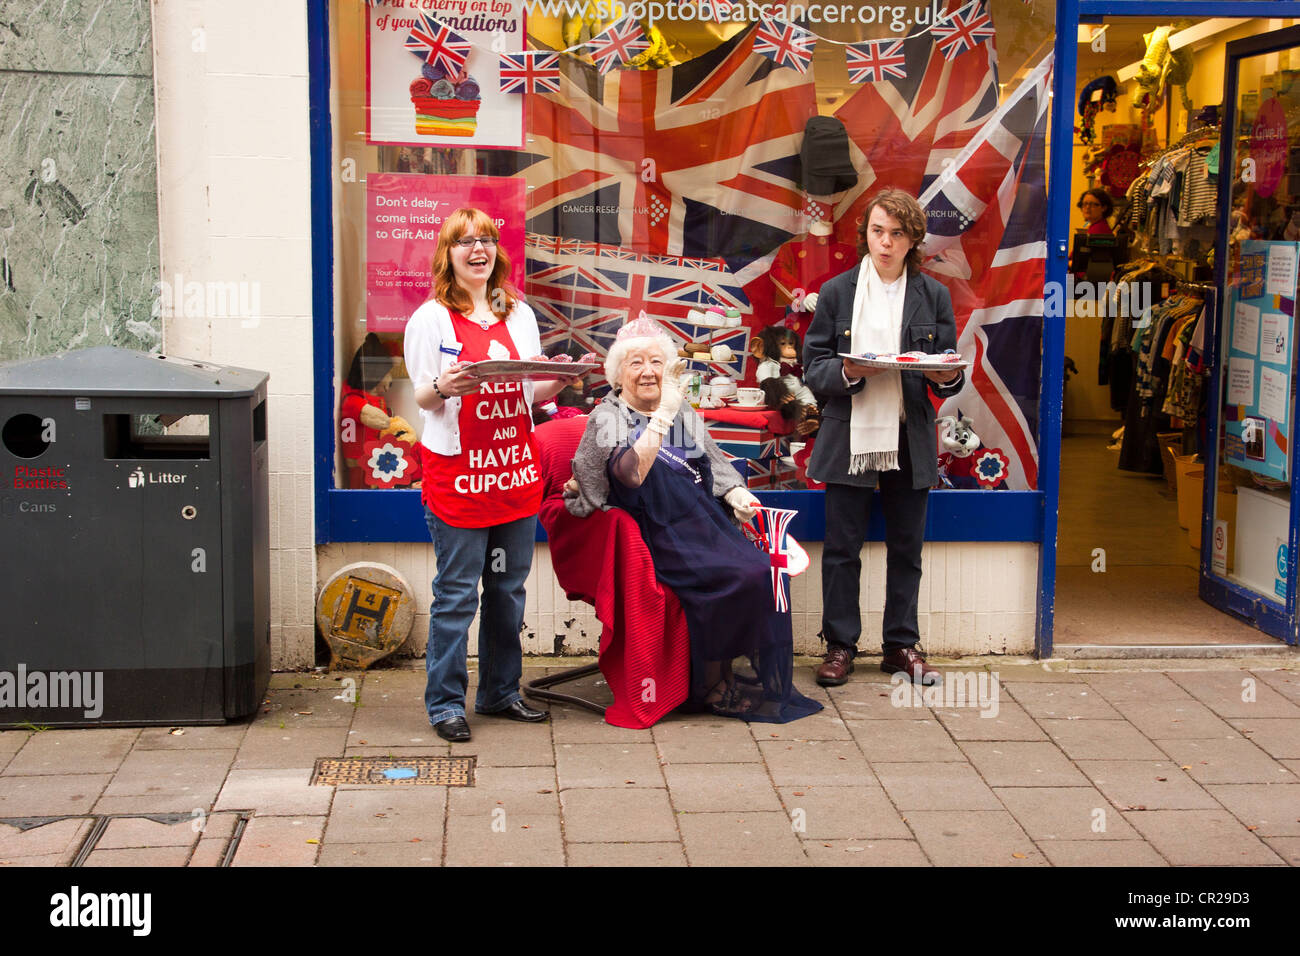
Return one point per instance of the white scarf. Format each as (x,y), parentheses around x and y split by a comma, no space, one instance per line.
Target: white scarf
(878,407)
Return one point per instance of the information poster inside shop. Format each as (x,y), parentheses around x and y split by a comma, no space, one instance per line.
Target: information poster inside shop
(433,77)
(1257,374)
(404,212)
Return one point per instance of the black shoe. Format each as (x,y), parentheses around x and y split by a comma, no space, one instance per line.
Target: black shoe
(521,711)
(455,729)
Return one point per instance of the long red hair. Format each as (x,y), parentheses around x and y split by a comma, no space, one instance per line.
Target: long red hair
(501,293)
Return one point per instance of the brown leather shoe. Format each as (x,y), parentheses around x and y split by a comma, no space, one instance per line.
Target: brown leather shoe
(910,661)
(836,667)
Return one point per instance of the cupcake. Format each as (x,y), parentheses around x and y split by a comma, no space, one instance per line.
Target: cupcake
(445,105)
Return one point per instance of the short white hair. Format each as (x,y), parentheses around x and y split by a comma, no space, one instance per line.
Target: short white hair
(618,352)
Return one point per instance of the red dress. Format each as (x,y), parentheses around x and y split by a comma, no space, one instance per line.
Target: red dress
(495,479)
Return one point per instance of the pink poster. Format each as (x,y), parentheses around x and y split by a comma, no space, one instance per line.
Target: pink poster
(404,212)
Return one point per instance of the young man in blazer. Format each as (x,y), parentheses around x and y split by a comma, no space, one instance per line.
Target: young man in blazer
(878,429)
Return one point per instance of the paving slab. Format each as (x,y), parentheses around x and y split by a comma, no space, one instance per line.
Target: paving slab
(824,725)
(439,749)
(843,813)
(274,793)
(1120,686)
(712,742)
(1202,838)
(100,750)
(299,709)
(1285,682)
(381,854)
(1267,809)
(633,815)
(1101,853)
(1008,722)
(626,854)
(935,786)
(280,841)
(393,727)
(531,790)
(816,763)
(151,856)
(1288,848)
(388,814)
(1278,737)
(209,853)
(51,795)
(874,853)
(1064,813)
(608,765)
(267,747)
(194,800)
(705,788)
(180,737)
(497,742)
(573,725)
(58,840)
(193,773)
(129,832)
(504,840)
(1077,699)
(1147,785)
(1237,693)
(1227,760)
(1174,719)
(740,839)
(858,700)
(902,740)
(1022,763)
(1092,739)
(974,838)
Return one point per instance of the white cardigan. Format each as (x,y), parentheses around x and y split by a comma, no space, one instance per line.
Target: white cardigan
(431,347)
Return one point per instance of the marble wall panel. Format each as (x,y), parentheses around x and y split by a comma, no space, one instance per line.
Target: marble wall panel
(77,36)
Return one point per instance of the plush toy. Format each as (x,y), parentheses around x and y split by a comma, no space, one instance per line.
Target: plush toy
(1161,66)
(1089,108)
(780,376)
(964,464)
(379,450)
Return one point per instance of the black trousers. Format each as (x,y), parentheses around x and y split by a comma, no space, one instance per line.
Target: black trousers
(848,509)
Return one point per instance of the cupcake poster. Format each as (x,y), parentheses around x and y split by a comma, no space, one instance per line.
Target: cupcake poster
(432,76)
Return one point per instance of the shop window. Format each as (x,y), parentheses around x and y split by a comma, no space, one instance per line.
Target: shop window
(674,172)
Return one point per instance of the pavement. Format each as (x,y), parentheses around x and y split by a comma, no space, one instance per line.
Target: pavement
(1057,763)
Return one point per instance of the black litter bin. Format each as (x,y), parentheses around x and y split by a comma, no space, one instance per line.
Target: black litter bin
(135,579)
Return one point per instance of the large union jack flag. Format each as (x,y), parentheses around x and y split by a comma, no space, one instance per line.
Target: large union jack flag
(785,44)
(583,293)
(437,44)
(963,30)
(872,61)
(530,72)
(987,243)
(622,41)
(770,530)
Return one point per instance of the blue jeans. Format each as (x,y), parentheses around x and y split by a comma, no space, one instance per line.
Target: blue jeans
(501,556)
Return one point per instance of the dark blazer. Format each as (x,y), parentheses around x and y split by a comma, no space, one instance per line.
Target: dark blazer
(928,326)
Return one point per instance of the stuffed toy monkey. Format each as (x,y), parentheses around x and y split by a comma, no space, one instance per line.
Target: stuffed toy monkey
(779,375)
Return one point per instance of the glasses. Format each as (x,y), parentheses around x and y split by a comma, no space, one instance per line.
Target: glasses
(1094,204)
(469,241)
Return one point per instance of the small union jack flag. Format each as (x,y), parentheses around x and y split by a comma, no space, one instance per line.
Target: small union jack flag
(530,72)
(621,42)
(871,62)
(435,43)
(770,530)
(784,43)
(963,30)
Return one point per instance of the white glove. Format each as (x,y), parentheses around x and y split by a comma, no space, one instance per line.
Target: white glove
(670,398)
(743,503)
(810,302)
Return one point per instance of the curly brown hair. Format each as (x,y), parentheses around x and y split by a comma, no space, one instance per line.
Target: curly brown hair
(903,207)
(501,293)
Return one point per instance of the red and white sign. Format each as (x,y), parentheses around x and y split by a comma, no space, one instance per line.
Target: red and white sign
(1268,146)
(404,212)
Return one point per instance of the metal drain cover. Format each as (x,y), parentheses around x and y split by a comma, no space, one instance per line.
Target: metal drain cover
(426,771)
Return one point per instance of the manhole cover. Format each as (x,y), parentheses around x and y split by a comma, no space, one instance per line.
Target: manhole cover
(428,771)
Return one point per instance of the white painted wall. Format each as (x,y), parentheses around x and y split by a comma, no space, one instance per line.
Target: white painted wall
(234,205)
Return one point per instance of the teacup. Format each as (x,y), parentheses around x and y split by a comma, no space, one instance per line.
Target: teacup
(749,396)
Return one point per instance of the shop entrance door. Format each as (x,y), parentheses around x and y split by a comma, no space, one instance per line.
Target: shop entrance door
(1249,525)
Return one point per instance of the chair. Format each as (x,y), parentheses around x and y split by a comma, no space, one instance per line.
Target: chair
(644,651)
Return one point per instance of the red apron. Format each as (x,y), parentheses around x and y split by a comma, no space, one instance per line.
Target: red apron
(495,478)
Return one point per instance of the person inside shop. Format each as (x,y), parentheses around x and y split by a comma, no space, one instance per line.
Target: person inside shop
(482,488)
(1096,206)
(878,429)
(648,452)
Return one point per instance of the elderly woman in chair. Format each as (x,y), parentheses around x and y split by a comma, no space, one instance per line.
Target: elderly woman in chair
(647,452)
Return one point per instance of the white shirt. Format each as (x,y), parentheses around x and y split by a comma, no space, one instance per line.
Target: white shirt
(431,348)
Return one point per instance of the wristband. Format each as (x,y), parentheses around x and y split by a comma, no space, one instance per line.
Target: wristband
(658,425)
(439,391)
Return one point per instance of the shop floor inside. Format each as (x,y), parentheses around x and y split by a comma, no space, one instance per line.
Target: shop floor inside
(1147,594)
